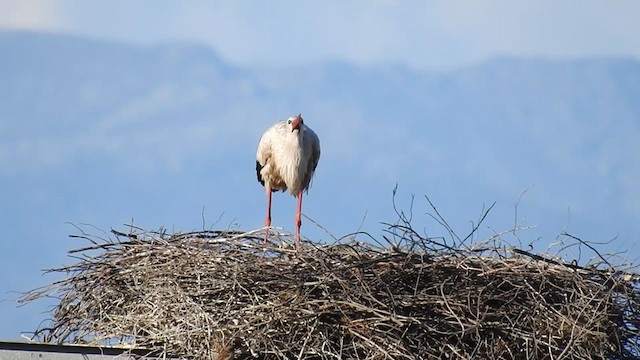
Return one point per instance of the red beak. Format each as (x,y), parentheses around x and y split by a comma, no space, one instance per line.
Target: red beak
(296,123)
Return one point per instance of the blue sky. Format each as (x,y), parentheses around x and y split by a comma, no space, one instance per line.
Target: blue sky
(422,35)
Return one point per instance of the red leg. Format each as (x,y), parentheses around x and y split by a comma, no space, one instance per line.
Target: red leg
(298,220)
(267,221)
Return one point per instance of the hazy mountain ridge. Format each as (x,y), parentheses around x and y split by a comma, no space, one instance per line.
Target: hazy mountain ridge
(99,75)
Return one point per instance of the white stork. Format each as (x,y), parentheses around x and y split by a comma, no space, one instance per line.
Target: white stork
(286,159)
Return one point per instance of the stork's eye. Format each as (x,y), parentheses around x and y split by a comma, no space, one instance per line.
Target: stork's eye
(289,121)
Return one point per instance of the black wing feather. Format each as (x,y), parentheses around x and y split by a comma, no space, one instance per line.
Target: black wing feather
(258,168)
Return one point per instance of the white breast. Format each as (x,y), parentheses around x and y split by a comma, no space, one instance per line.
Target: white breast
(287,160)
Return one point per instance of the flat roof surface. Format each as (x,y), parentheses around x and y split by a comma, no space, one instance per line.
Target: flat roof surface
(15,350)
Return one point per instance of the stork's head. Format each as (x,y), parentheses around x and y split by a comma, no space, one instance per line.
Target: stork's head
(295,123)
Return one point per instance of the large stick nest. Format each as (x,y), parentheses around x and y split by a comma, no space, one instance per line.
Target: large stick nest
(223,294)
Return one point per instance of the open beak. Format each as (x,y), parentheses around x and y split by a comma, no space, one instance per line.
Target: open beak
(295,125)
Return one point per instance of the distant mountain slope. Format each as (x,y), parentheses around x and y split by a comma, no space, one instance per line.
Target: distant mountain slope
(75,80)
